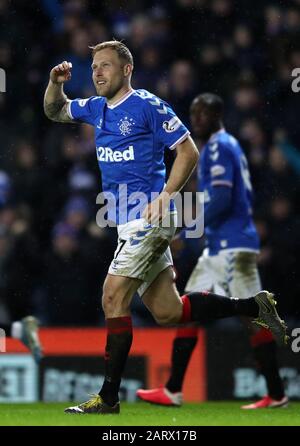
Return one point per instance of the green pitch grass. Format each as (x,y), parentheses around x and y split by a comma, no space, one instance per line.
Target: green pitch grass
(143,414)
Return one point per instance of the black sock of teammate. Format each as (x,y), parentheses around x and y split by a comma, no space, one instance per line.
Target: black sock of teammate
(119,339)
(181,354)
(265,356)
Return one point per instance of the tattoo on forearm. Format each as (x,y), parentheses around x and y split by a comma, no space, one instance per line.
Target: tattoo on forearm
(57,111)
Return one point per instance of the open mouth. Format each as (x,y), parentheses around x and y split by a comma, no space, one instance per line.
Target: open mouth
(101,82)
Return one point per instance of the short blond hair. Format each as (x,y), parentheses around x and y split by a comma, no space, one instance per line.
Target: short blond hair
(122,50)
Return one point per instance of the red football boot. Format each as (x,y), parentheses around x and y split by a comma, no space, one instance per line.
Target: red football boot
(161,396)
(267,403)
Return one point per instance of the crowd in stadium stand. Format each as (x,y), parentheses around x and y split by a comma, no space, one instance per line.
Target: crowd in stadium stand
(53,256)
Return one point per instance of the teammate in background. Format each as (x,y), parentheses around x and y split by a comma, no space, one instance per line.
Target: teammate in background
(26,330)
(132,130)
(229,263)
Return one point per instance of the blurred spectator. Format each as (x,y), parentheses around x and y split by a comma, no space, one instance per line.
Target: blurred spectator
(150,68)
(77,213)
(247,103)
(140,32)
(19,258)
(180,88)
(247,54)
(68,298)
(274,20)
(5,188)
(81,84)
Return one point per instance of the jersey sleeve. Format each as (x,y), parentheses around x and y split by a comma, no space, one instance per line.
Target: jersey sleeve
(221,165)
(82,110)
(166,127)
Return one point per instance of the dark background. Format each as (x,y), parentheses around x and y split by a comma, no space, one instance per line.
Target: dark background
(53,257)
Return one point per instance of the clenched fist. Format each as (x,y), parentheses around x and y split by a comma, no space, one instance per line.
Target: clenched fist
(61,73)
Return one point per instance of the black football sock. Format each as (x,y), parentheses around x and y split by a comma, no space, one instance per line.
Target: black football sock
(118,343)
(265,354)
(204,307)
(183,347)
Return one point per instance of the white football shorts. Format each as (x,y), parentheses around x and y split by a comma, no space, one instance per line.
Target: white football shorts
(143,250)
(232,273)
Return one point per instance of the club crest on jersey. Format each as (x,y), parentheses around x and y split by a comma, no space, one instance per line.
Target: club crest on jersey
(82,102)
(171,125)
(125,125)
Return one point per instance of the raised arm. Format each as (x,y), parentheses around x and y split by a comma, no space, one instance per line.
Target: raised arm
(55,100)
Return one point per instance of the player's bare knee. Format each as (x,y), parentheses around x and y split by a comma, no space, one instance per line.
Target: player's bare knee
(107,302)
(165,318)
(111,302)
(114,302)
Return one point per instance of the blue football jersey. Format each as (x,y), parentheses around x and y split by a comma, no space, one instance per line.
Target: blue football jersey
(222,162)
(131,136)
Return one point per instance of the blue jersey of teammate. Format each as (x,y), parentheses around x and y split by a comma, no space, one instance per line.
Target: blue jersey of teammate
(223,163)
(131,136)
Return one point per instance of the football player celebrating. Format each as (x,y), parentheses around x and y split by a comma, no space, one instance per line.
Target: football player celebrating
(132,130)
